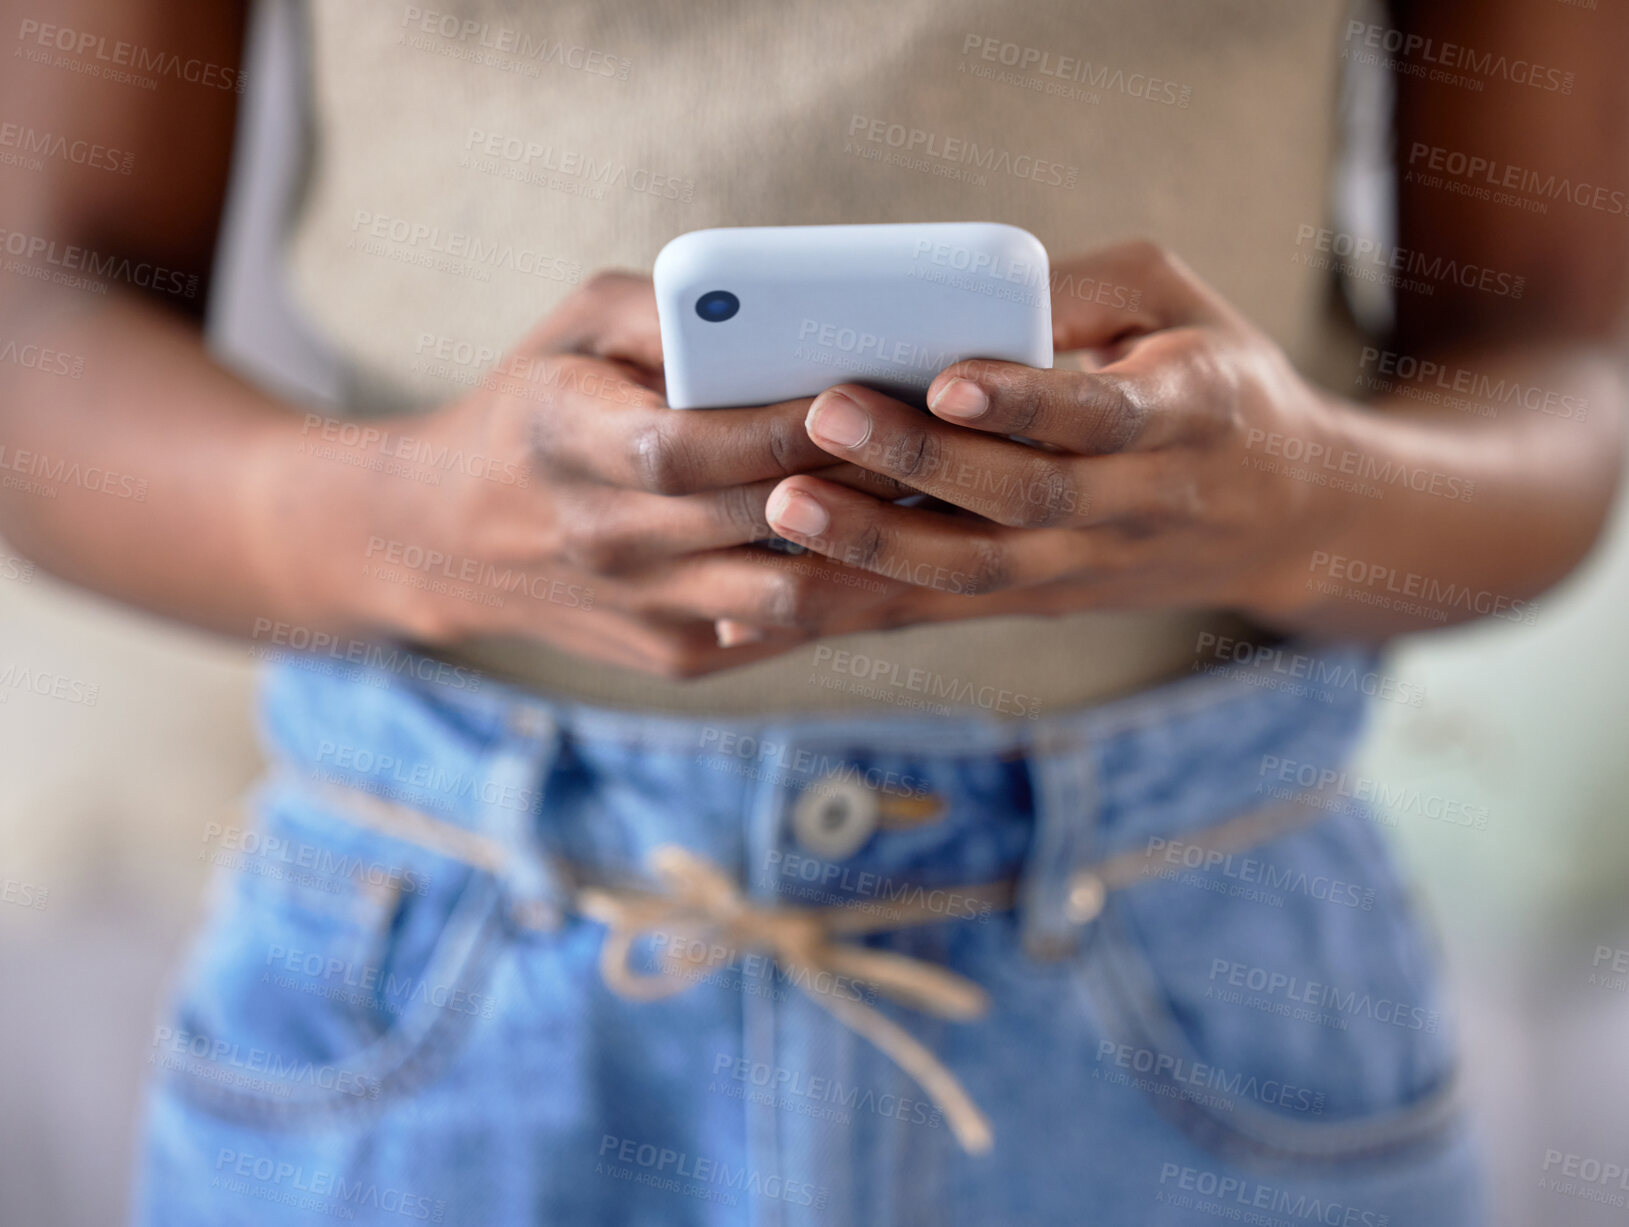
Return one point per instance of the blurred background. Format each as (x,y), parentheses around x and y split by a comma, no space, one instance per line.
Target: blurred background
(108,801)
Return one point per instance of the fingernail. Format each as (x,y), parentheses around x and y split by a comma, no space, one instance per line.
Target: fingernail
(733,634)
(795,512)
(961,399)
(838,420)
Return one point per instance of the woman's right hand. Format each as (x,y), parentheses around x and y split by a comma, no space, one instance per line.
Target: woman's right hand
(584,512)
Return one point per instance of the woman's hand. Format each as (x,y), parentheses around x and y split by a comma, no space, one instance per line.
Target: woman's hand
(583,512)
(1160,479)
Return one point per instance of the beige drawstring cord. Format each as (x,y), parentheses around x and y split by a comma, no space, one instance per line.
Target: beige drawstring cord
(702,903)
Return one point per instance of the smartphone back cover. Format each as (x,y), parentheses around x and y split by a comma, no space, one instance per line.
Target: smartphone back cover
(885,305)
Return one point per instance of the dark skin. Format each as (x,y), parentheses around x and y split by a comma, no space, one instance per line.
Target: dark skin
(1150,498)
(1146,494)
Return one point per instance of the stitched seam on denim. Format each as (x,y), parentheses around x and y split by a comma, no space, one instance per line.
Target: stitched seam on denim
(531,875)
(766,823)
(1066,832)
(264,1108)
(1387,1135)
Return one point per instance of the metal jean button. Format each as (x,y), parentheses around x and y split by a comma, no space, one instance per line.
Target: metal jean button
(1087,895)
(834,817)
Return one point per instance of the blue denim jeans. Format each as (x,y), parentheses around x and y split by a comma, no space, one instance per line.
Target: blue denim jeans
(374,1030)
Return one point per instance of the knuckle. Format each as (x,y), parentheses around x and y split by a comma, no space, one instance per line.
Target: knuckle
(1138,528)
(895,614)
(1169,494)
(573,545)
(1022,402)
(678,662)
(602,283)
(600,552)
(1149,255)
(1048,494)
(742,511)
(787,600)
(432,622)
(1179,496)
(913,453)
(541,441)
(1115,412)
(867,547)
(988,568)
(567,378)
(554,541)
(781,438)
(1213,370)
(659,459)
(1162,268)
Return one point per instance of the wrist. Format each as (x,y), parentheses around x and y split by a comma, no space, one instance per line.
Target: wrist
(311,504)
(1325,501)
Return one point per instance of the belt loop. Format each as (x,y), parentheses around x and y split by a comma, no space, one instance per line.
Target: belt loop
(1063,778)
(520,768)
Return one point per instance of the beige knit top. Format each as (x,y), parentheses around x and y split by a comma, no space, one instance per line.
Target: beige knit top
(473,159)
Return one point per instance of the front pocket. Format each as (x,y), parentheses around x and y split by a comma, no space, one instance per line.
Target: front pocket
(1278,1004)
(338,969)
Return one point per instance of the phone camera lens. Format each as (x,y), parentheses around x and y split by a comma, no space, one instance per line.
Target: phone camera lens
(716,306)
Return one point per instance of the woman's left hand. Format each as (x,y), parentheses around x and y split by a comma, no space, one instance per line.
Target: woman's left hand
(1160,479)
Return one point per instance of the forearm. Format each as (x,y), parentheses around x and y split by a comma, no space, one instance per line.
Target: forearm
(153,475)
(1464,493)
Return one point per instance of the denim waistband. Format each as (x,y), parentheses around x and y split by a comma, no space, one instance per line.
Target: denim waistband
(1181,757)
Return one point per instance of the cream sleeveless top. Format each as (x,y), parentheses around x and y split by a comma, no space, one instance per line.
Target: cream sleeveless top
(472,160)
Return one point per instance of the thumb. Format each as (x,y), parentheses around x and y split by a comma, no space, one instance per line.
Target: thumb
(611,315)
(1120,292)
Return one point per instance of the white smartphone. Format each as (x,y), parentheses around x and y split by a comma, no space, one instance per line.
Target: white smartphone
(759,314)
